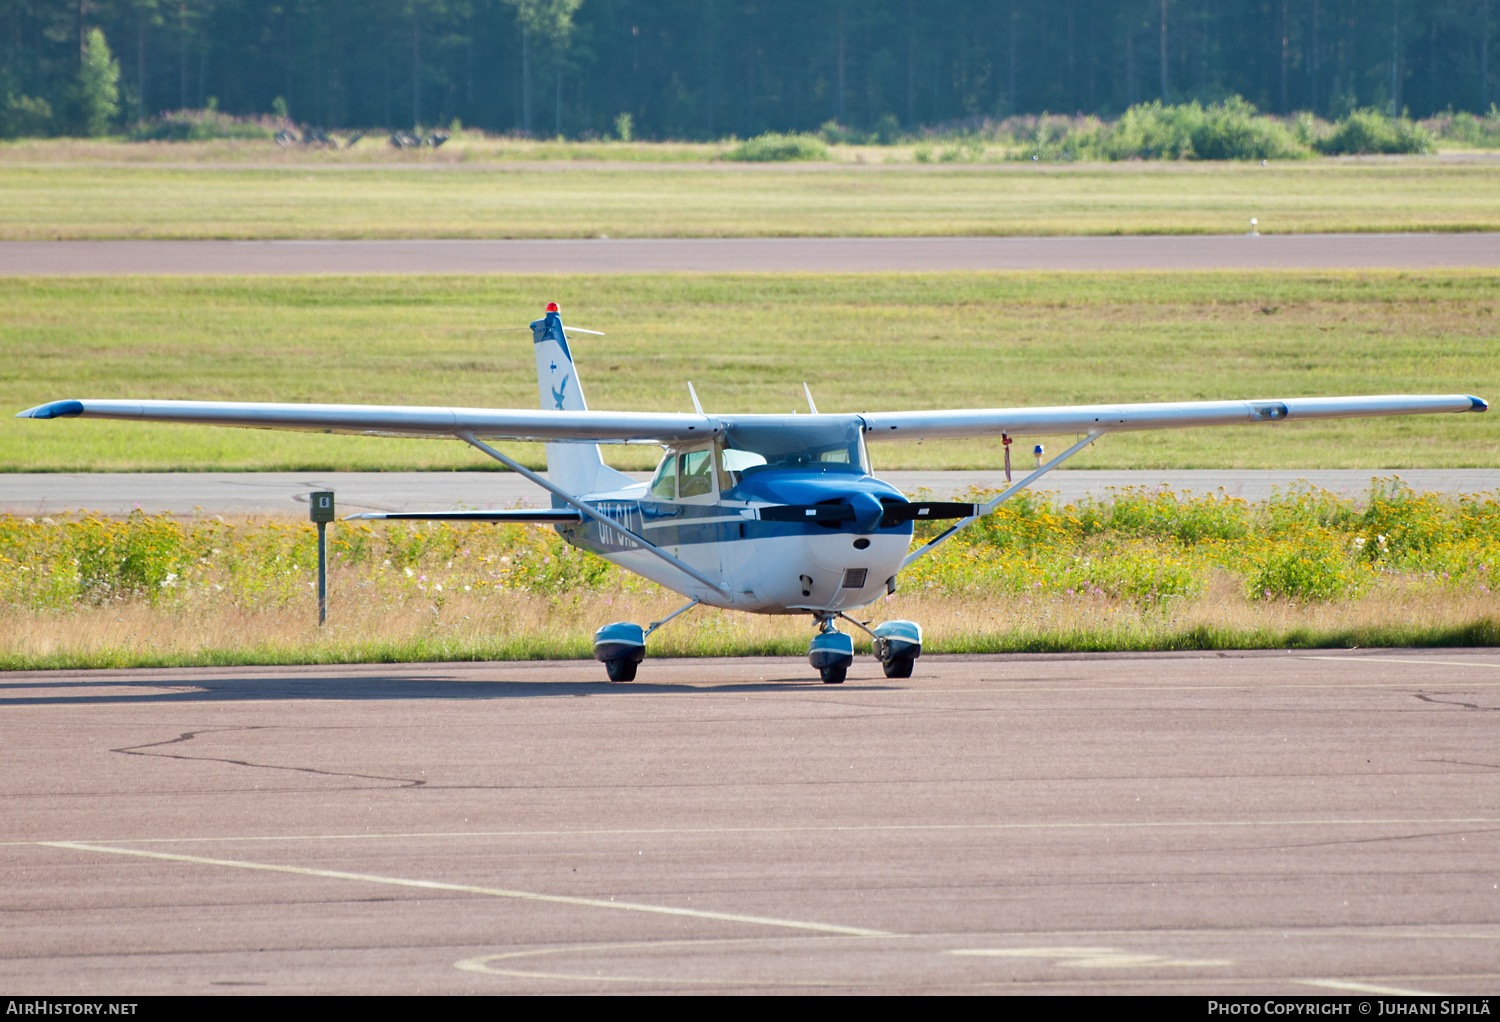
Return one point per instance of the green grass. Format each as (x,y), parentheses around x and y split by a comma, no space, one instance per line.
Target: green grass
(748,342)
(1137,571)
(318,197)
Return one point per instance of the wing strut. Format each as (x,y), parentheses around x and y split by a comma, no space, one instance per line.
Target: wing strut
(688,570)
(1010,491)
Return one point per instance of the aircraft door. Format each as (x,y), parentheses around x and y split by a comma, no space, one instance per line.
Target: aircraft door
(699,534)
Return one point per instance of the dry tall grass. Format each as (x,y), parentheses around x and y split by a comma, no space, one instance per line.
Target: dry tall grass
(1141,570)
(529,626)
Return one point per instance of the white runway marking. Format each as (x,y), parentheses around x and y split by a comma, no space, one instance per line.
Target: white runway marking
(482,964)
(1094,957)
(1364,988)
(102,843)
(493,892)
(1400,660)
(1077,957)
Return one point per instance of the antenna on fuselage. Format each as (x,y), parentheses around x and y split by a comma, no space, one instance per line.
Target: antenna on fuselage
(810,406)
(694,394)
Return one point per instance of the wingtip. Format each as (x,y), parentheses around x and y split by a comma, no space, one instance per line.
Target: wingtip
(53,410)
(1478,404)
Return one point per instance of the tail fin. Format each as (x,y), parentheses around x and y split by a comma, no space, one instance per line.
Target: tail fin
(577,468)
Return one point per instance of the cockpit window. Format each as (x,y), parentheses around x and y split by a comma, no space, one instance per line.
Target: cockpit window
(836,446)
(664,486)
(693,470)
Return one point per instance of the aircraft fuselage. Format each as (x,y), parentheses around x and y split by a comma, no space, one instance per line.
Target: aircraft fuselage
(767,567)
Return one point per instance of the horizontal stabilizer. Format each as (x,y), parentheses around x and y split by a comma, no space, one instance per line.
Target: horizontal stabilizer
(541,515)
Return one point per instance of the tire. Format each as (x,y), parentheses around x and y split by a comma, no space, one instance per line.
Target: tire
(620,670)
(834,675)
(898,667)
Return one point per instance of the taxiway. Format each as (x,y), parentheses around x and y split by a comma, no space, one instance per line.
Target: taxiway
(755,255)
(1297,823)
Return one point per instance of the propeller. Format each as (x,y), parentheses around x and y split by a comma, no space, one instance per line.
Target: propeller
(891,514)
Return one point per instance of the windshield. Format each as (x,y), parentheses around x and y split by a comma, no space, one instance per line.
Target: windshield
(817,446)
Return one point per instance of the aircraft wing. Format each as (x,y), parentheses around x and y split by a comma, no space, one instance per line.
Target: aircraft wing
(395,421)
(1164,415)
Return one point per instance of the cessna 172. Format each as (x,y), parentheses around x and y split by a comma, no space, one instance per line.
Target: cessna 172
(771,514)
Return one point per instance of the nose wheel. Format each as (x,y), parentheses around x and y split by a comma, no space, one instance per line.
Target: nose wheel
(831,652)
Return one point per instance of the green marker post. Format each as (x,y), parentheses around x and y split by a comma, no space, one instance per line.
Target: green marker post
(321,512)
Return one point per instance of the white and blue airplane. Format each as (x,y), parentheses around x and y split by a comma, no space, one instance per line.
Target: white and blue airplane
(770,514)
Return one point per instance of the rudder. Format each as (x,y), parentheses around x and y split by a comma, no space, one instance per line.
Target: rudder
(576,468)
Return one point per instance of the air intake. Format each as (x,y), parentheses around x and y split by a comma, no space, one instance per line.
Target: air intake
(854,578)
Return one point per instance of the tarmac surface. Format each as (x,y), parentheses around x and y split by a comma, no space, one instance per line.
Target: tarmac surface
(1277,823)
(762,255)
(47,493)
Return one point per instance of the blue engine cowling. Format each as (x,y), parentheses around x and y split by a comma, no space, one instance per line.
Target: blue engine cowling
(620,641)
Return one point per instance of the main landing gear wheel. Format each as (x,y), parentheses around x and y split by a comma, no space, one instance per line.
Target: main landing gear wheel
(898,667)
(836,675)
(621,670)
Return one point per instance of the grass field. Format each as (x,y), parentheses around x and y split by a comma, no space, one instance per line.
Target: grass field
(433,196)
(1139,571)
(748,342)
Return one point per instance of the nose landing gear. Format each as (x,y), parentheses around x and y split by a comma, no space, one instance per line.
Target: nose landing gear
(896,644)
(831,651)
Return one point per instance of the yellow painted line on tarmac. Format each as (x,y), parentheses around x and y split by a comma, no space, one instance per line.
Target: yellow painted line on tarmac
(1364,988)
(493,892)
(99,843)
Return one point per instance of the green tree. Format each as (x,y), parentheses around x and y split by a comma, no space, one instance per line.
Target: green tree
(549,20)
(96,90)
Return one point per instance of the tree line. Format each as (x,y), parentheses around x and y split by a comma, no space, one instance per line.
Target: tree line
(693,69)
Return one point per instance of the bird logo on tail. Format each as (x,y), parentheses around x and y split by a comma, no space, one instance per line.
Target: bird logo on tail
(558,392)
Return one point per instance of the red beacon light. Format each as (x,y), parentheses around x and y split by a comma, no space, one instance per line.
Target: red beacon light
(552,307)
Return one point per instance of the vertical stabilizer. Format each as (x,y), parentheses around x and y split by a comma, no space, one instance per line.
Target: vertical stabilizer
(577,468)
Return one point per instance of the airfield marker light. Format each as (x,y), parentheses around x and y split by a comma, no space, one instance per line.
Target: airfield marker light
(1039,450)
(320,510)
(1254,228)
(552,307)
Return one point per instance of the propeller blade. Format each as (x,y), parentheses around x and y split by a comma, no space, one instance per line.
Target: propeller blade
(807,513)
(924,511)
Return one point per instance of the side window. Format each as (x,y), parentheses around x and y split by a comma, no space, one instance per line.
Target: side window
(727,480)
(694,468)
(664,486)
